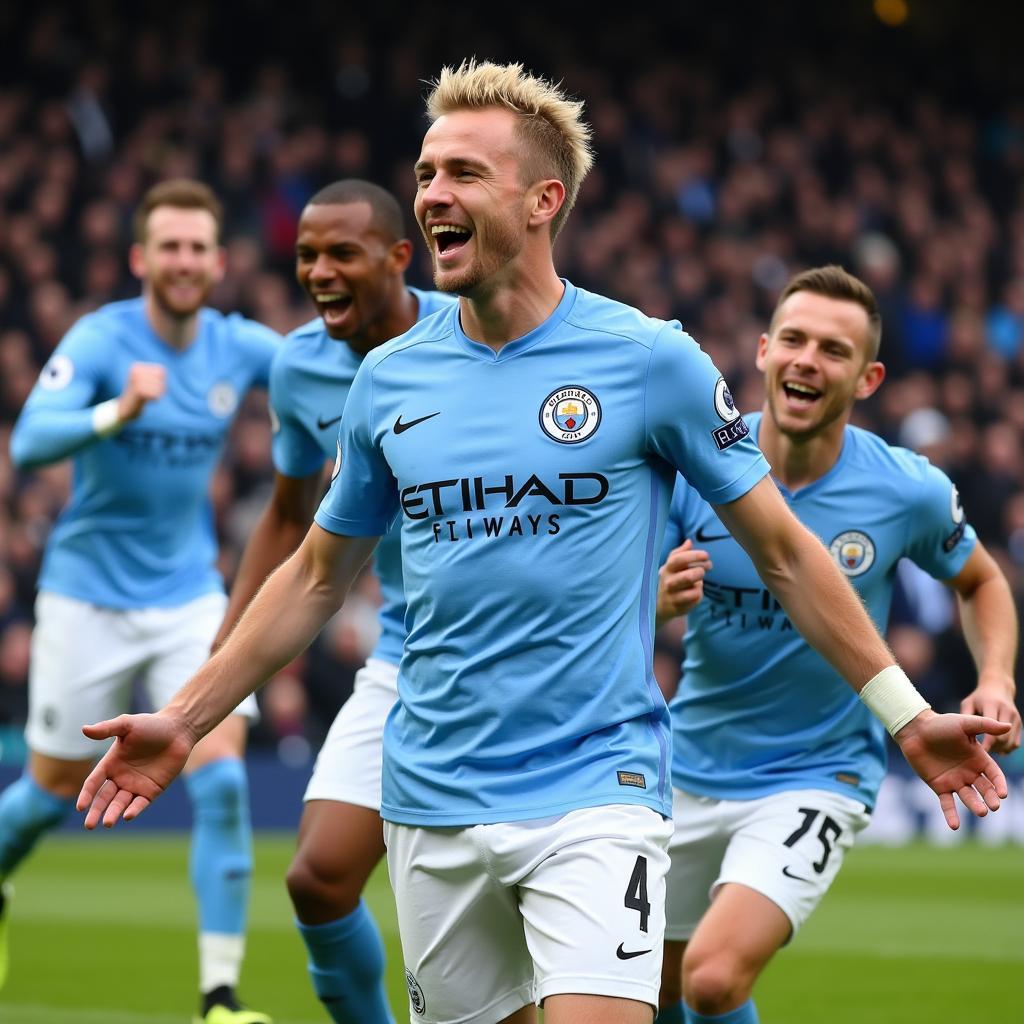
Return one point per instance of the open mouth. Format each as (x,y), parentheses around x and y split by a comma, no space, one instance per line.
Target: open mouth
(801,395)
(333,306)
(449,238)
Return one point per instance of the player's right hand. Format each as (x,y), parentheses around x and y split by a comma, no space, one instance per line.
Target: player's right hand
(147,754)
(681,581)
(146,383)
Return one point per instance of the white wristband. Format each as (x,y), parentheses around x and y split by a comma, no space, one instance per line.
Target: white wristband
(892,698)
(106,420)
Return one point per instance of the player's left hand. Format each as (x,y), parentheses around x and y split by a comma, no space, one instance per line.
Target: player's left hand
(943,751)
(995,701)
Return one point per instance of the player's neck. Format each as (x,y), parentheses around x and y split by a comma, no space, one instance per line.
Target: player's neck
(398,318)
(510,304)
(178,332)
(797,461)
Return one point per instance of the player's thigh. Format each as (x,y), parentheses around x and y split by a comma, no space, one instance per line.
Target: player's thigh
(698,843)
(465,954)
(58,776)
(573,1008)
(83,659)
(339,846)
(181,638)
(348,767)
(594,904)
(789,847)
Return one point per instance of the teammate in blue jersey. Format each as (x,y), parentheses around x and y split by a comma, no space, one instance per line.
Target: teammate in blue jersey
(140,394)
(776,764)
(351,257)
(528,441)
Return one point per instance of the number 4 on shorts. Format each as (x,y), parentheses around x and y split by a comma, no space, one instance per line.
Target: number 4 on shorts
(636,892)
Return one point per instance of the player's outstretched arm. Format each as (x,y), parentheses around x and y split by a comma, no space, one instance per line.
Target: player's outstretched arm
(278,533)
(681,581)
(989,621)
(289,610)
(824,607)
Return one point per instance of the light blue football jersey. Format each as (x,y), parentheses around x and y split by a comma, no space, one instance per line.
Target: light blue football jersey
(138,530)
(758,710)
(309,384)
(532,487)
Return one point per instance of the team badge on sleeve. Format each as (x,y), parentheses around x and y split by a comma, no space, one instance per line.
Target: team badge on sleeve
(854,552)
(956,512)
(735,429)
(570,415)
(724,404)
(57,373)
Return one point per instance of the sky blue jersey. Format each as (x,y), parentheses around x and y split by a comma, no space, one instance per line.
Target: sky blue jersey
(532,486)
(309,383)
(138,530)
(758,710)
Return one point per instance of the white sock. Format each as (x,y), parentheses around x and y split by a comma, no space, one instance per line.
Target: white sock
(220,959)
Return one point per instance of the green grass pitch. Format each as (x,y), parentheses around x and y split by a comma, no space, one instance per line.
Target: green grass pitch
(102,933)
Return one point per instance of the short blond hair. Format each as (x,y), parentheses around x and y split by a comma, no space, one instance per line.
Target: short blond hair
(550,123)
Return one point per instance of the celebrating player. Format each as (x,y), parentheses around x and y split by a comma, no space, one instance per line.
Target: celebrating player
(351,255)
(775,762)
(529,440)
(141,394)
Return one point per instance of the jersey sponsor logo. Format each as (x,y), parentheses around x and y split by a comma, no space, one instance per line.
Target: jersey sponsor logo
(57,373)
(570,415)
(853,551)
(731,433)
(401,428)
(623,954)
(416,998)
(724,404)
(706,538)
(175,450)
(632,779)
(222,399)
(323,424)
(337,463)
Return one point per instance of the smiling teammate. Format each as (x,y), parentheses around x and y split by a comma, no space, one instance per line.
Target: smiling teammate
(525,786)
(351,256)
(776,764)
(141,395)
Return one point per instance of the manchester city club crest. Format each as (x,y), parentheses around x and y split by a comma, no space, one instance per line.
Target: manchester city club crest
(416,998)
(222,399)
(570,415)
(853,551)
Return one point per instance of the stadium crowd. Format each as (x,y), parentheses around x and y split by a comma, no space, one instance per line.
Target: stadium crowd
(714,183)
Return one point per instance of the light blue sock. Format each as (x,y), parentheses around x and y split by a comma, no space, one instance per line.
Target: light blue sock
(220,862)
(346,964)
(745,1014)
(26,812)
(671,1015)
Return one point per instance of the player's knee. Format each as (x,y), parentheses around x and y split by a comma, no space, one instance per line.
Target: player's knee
(322,888)
(714,982)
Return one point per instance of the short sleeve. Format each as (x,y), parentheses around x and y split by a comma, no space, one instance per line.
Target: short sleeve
(693,424)
(363,497)
(261,344)
(75,376)
(294,451)
(941,540)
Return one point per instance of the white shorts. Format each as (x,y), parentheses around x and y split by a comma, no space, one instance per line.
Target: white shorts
(493,917)
(787,846)
(347,768)
(85,659)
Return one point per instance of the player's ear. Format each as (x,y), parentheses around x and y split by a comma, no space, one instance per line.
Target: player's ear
(399,256)
(221,265)
(762,348)
(545,199)
(871,378)
(137,260)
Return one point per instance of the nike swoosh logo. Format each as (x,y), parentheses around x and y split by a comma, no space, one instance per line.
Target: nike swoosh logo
(706,538)
(789,874)
(401,428)
(324,424)
(623,955)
